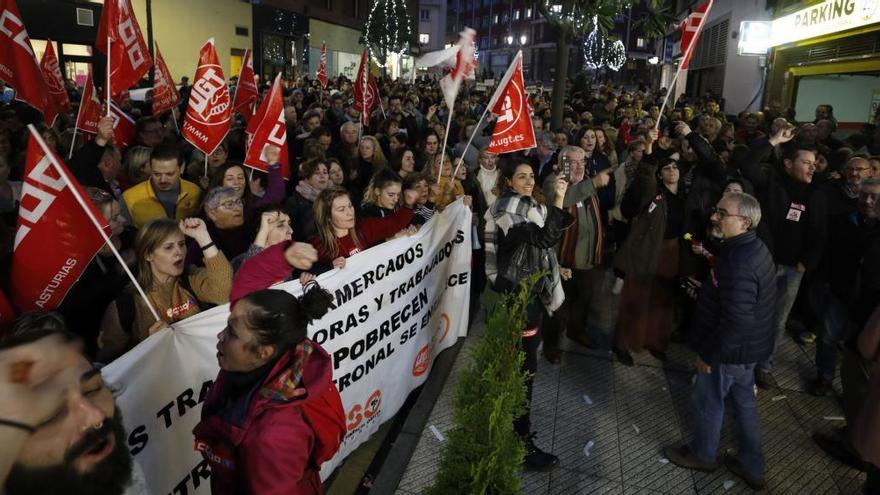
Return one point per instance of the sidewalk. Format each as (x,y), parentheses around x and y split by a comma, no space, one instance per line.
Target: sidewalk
(634,412)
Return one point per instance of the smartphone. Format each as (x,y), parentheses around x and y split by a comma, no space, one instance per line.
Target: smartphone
(566,168)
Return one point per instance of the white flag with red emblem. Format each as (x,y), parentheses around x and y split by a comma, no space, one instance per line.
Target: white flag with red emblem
(246,92)
(322,67)
(690,32)
(462,58)
(165,95)
(513,126)
(50,215)
(209,114)
(58,98)
(89,108)
(269,128)
(129,53)
(18,64)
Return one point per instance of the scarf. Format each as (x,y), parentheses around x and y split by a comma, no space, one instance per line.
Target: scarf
(568,243)
(510,210)
(307,191)
(288,384)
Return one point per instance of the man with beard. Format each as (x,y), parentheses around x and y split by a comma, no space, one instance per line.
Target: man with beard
(733,329)
(59,426)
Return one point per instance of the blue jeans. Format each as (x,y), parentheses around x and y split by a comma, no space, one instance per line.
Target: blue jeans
(788,281)
(835,327)
(710,390)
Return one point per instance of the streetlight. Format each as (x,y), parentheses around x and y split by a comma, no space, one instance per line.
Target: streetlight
(654,60)
(509,39)
(523,39)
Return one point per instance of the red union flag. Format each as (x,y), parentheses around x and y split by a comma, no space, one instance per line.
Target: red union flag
(89,108)
(322,67)
(246,92)
(513,127)
(165,95)
(209,113)
(18,64)
(7,314)
(366,92)
(269,128)
(50,215)
(690,32)
(129,54)
(124,129)
(58,99)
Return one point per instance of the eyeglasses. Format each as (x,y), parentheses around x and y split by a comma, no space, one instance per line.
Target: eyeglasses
(723,214)
(232,204)
(857,170)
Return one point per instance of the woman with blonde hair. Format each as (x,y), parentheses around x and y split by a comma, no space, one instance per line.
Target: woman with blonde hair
(174,290)
(370,160)
(382,195)
(136,163)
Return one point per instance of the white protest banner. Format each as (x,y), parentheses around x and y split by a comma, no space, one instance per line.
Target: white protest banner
(396,307)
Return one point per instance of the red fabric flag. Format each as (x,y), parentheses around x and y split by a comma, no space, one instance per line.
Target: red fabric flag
(51,215)
(165,95)
(18,64)
(209,113)
(58,98)
(7,314)
(366,92)
(89,108)
(246,92)
(269,130)
(124,128)
(129,53)
(322,67)
(513,127)
(690,32)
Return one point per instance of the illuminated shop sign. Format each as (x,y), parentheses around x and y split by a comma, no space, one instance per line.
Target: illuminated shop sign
(824,18)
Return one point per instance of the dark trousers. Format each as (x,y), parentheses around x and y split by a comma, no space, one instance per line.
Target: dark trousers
(522,425)
(572,315)
(872,482)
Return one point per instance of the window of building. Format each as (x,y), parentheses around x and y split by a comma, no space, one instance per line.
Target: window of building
(495,19)
(528,13)
(556,8)
(640,42)
(516,15)
(504,17)
(424,39)
(425,15)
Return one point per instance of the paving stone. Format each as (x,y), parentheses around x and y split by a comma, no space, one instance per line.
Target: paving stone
(567,482)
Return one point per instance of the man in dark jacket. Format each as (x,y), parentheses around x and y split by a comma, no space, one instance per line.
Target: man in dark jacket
(795,225)
(733,330)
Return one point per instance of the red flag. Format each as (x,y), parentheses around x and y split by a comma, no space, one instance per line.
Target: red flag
(690,32)
(129,54)
(165,95)
(246,92)
(89,108)
(7,314)
(366,92)
(209,113)
(270,129)
(58,98)
(18,64)
(50,215)
(513,127)
(124,128)
(322,67)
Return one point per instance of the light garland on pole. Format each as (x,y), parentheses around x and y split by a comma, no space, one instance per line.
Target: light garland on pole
(599,51)
(387,30)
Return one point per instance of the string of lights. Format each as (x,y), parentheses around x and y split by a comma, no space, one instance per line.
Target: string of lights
(599,51)
(387,30)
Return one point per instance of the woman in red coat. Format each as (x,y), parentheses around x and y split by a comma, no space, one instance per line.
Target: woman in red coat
(254,430)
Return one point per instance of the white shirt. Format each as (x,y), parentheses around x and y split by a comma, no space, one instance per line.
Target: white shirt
(488,179)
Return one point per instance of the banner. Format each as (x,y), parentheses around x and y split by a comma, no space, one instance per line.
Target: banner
(89,108)
(50,215)
(269,129)
(18,64)
(59,101)
(129,53)
(397,306)
(209,113)
(165,95)
(246,92)
(124,127)
(513,127)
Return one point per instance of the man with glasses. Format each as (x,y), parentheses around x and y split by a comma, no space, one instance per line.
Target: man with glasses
(733,329)
(796,222)
(165,193)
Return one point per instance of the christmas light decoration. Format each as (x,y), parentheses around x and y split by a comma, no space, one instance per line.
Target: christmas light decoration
(387,30)
(616,55)
(599,51)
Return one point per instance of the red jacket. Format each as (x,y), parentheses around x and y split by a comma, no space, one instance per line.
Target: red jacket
(371,231)
(260,443)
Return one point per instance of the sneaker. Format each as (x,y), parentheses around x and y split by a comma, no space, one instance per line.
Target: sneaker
(536,459)
(821,388)
(807,337)
(683,457)
(624,357)
(836,447)
(764,379)
(734,466)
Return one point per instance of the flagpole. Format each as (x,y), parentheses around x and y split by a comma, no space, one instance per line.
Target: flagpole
(108,75)
(443,149)
(206,164)
(51,156)
(174,118)
(686,58)
(468,145)
(78,111)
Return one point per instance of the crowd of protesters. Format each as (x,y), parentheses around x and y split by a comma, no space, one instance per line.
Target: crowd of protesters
(725,231)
